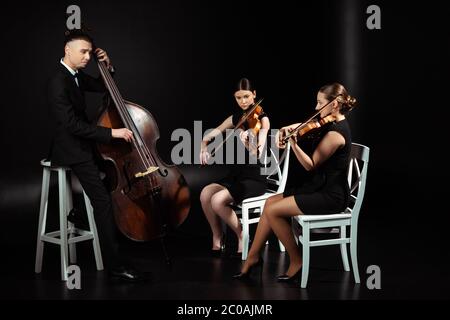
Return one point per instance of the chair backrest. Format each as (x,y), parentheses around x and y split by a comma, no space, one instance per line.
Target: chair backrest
(357,176)
(278,175)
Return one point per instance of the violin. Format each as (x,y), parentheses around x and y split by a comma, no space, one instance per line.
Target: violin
(253,121)
(253,125)
(310,128)
(311,124)
(251,117)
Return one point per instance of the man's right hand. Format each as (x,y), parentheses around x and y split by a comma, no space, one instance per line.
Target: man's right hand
(122,133)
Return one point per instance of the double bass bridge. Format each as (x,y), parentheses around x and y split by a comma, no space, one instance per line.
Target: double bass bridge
(146,172)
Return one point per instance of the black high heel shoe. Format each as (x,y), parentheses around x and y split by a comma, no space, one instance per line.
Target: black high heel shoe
(235,255)
(217,253)
(295,278)
(246,275)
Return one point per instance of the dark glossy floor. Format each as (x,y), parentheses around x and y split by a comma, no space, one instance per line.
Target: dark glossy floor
(195,275)
(411,252)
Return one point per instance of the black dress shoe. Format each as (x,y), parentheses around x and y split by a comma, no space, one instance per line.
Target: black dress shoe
(78,219)
(294,279)
(128,274)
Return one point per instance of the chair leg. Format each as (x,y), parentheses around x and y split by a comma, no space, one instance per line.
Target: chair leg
(245,232)
(353,252)
(42,219)
(72,246)
(344,254)
(305,267)
(93,228)
(63,222)
(296,230)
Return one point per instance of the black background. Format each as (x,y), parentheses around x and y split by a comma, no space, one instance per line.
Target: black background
(181,59)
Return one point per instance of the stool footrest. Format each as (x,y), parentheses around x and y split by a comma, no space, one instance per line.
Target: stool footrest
(80,238)
(54,237)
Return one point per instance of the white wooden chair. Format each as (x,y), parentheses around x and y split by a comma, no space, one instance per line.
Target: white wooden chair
(276,180)
(357,175)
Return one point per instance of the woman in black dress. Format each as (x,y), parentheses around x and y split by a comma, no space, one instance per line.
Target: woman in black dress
(244,181)
(325,192)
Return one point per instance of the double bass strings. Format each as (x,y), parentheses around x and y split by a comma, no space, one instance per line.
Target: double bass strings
(128,122)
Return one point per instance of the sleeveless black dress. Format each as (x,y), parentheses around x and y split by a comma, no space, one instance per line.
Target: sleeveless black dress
(326,191)
(245,180)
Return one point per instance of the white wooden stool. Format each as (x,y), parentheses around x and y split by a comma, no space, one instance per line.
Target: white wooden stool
(67,236)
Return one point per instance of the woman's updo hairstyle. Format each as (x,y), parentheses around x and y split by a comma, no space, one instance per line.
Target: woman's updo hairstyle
(337,90)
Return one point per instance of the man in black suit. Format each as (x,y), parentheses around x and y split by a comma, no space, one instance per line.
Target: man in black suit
(73,143)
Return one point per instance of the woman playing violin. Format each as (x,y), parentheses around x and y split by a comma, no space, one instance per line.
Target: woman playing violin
(327,192)
(244,180)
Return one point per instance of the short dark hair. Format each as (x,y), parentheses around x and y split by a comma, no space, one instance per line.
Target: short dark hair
(77,34)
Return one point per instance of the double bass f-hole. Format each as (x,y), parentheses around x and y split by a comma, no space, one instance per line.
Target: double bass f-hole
(163,173)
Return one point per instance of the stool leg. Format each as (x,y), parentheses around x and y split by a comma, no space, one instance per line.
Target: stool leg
(93,227)
(42,219)
(72,245)
(63,222)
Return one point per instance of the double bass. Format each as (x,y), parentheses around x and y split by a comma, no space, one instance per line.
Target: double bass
(148,195)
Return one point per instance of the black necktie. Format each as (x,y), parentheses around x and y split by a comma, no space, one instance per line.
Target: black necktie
(76,78)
